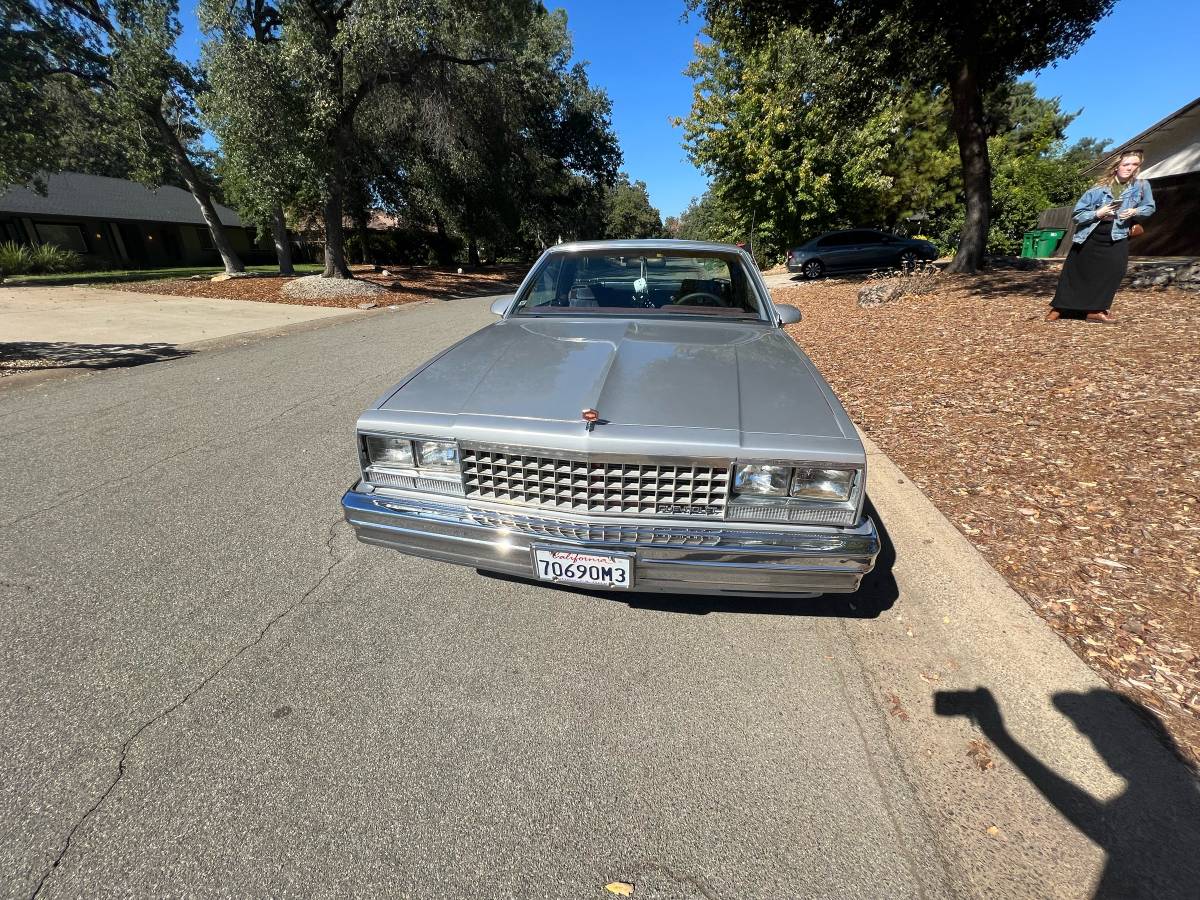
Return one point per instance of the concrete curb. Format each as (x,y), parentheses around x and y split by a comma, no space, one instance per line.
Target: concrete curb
(1007,809)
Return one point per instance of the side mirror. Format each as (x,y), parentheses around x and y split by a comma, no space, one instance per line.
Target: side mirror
(788,315)
(501,304)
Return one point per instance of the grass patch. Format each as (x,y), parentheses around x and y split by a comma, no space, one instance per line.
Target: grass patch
(118,276)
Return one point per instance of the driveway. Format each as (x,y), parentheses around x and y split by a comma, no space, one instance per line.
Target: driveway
(96,328)
(207,687)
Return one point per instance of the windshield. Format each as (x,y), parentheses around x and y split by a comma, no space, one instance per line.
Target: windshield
(656,282)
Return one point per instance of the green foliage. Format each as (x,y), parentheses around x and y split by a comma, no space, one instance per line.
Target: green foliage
(47,259)
(918,41)
(15,259)
(708,219)
(511,157)
(257,111)
(792,152)
(37,259)
(628,213)
(1032,169)
(463,116)
(913,45)
(789,150)
(26,120)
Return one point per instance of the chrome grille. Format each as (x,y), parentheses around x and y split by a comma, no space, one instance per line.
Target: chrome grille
(595,485)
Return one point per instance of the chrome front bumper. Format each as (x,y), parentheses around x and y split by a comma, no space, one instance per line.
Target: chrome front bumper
(675,556)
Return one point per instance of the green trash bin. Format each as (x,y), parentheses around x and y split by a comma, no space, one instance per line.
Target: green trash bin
(1028,245)
(1047,241)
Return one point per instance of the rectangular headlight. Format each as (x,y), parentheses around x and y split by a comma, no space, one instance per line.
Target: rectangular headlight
(440,456)
(761,480)
(823,484)
(388,451)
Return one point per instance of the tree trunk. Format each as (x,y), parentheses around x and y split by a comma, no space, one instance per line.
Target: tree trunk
(199,191)
(283,246)
(967,117)
(473,251)
(364,236)
(335,246)
(443,243)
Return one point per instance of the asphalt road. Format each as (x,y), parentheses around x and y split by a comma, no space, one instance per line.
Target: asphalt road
(207,688)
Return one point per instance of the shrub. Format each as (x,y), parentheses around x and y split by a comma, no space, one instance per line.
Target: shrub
(47,259)
(37,259)
(15,259)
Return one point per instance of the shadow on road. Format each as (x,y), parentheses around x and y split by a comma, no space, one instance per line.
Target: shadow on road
(1151,832)
(25,356)
(876,594)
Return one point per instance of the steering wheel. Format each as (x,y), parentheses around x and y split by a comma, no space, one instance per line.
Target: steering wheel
(701,298)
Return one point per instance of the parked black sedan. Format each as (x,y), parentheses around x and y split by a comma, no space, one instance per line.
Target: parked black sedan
(861,249)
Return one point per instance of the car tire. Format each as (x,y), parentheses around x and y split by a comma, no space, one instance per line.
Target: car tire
(814,268)
(908,260)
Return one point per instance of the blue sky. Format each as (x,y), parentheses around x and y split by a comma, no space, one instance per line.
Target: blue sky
(1141,64)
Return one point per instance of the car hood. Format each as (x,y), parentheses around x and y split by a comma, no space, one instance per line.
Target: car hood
(735,377)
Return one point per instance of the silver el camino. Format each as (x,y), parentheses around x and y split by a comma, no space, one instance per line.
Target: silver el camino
(636,420)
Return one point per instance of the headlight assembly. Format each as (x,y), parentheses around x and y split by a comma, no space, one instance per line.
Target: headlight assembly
(815,495)
(761,480)
(433,458)
(823,484)
(440,456)
(392,452)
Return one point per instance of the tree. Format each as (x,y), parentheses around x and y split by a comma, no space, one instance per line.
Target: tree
(708,219)
(347,56)
(628,213)
(257,115)
(28,115)
(790,150)
(956,46)
(1032,168)
(509,157)
(120,49)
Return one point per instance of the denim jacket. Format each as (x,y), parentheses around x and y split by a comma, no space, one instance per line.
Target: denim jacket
(1136,196)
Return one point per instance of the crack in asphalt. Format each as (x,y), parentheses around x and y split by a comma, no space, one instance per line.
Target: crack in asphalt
(100,486)
(207,680)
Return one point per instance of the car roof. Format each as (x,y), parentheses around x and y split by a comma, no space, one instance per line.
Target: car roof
(646,244)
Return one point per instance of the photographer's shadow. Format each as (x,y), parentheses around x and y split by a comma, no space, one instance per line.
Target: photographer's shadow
(1151,832)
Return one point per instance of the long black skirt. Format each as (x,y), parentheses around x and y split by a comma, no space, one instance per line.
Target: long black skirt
(1092,272)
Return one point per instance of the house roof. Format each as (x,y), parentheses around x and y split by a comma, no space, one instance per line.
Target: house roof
(97,197)
(1172,146)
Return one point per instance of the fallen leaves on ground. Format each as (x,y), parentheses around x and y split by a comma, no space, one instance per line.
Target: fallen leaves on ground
(980,752)
(896,708)
(620,888)
(405,285)
(1068,452)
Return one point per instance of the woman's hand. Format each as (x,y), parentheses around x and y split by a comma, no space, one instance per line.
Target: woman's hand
(1106,212)
(1126,213)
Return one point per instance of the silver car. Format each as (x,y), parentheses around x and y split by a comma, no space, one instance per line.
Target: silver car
(636,420)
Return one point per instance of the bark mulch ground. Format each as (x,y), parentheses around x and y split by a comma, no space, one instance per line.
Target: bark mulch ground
(405,285)
(1067,452)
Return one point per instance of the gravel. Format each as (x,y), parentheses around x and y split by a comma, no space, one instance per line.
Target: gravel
(316,287)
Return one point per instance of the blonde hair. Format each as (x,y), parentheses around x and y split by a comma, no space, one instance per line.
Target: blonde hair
(1110,174)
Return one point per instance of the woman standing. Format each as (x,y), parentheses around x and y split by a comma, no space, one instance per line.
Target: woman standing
(1099,251)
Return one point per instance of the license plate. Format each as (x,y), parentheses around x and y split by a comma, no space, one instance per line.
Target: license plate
(576,567)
